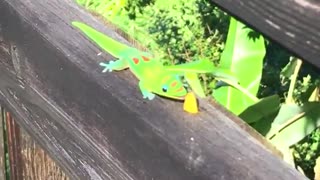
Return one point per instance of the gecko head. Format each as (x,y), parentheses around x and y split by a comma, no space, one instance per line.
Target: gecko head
(172,87)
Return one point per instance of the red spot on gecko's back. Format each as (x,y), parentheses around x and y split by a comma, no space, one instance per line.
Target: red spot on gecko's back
(145,58)
(180,89)
(135,60)
(174,84)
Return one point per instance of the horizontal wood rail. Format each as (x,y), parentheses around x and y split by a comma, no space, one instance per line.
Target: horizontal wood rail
(97,126)
(294,24)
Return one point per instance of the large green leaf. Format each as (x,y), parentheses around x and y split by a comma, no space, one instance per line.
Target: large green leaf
(262,109)
(264,125)
(293,123)
(243,55)
(261,115)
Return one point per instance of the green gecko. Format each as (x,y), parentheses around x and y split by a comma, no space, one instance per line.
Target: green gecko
(154,78)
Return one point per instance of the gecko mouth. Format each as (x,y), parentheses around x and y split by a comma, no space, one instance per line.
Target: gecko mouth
(177,98)
(181,97)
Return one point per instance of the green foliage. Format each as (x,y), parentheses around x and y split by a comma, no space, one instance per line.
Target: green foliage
(243,55)
(298,117)
(261,110)
(293,123)
(288,70)
(6,160)
(186,38)
(181,31)
(275,81)
(276,58)
(307,152)
(104,7)
(176,30)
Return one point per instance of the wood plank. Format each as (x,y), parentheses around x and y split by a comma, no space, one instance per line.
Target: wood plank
(28,161)
(97,126)
(13,139)
(2,150)
(294,24)
(36,162)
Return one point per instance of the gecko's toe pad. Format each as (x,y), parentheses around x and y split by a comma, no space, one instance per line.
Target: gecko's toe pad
(107,66)
(148,95)
(151,96)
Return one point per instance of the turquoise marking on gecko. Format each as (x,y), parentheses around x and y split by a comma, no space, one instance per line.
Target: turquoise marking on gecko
(154,78)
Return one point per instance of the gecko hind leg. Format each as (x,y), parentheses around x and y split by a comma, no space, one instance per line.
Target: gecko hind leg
(145,92)
(114,65)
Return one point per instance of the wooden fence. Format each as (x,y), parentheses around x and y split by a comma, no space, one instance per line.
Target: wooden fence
(25,159)
(97,127)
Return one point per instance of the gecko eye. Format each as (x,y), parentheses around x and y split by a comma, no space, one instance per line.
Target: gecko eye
(164,88)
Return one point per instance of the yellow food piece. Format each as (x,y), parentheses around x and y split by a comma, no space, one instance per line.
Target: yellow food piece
(190,103)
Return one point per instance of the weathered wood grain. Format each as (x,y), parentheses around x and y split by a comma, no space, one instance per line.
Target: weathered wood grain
(28,161)
(13,139)
(294,24)
(2,148)
(97,126)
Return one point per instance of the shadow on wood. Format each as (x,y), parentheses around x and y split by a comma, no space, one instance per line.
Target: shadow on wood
(97,126)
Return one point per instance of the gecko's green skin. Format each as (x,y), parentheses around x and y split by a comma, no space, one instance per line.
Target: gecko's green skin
(153,76)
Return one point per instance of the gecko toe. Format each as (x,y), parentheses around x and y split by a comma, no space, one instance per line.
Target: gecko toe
(151,96)
(103,64)
(106,70)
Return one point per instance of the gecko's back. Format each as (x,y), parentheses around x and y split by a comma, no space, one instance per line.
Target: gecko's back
(142,64)
(106,43)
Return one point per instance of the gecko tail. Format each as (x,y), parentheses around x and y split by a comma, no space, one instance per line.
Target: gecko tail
(106,43)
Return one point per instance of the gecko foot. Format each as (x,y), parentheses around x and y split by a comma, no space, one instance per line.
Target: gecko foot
(108,67)
(148,95)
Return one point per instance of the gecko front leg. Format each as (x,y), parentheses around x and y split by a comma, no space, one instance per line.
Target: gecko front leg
(114,65)
(145,92)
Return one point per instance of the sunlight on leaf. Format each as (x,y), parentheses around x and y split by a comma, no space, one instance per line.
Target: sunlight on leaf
(287,154)
(317,169)
(294,122)
(243,55)
(314,95)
